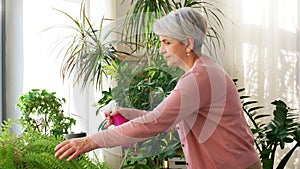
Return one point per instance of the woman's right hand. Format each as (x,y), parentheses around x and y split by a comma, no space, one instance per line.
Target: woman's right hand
(109,117)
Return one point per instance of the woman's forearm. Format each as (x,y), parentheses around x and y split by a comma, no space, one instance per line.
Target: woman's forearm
(130,113)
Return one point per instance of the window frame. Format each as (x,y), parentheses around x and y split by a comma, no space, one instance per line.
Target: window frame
(2,63)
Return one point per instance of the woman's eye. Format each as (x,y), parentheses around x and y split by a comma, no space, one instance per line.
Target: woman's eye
(165,42)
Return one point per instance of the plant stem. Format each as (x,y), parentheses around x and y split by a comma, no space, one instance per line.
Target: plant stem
(286,158)
(273,153)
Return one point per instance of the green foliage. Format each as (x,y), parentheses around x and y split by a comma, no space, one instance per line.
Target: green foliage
(143,87)
(6,152)
(33,150)
(283,128)
(152,153)
(149,87)
(140,87)
(85,50)
(43,111)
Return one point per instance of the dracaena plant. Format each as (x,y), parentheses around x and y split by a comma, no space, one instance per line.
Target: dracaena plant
(85,50)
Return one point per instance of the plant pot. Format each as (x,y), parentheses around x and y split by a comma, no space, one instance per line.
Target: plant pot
(74,135)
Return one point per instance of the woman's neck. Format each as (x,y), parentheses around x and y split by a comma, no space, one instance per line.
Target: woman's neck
(189,62)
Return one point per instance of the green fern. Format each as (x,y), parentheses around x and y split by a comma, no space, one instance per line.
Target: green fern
(7,157)
(33,150)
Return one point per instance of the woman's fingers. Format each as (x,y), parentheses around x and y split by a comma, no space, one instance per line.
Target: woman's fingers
(109,116)
(67,153)
(74,147)
(109,119)
(74,155)
(61,145)
(114,112)
(63,149)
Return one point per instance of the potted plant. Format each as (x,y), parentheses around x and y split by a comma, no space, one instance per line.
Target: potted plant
(145,90)
(32,149)
(281,130)
(43,111)
(86,50)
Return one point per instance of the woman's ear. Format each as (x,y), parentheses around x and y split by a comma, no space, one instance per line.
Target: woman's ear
(190,42)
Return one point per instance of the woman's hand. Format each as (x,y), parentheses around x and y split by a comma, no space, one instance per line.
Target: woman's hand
(74,147)
(109,117)
(127,113)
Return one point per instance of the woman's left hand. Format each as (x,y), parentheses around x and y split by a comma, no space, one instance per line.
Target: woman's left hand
(74,147)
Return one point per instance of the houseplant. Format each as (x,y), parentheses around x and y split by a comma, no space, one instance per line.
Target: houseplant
(282,129)
(35,150)
(145,90)
(43,111)
(86,50)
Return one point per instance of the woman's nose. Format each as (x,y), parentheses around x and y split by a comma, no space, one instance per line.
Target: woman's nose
(161,50)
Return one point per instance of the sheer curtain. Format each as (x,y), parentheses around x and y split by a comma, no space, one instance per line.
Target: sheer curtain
(262,51)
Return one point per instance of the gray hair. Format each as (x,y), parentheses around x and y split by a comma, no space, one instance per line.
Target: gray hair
(181,23)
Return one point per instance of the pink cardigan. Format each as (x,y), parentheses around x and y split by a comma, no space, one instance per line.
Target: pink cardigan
(206,110)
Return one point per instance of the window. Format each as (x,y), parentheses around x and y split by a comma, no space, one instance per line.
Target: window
(263,46)
(42,63)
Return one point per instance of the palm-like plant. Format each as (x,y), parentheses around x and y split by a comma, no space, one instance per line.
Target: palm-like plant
(86,50)
(284,128)
(142,14)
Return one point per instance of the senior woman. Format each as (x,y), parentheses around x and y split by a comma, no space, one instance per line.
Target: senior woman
(204,106)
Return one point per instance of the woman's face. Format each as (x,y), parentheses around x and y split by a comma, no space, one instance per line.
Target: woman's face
(173,50)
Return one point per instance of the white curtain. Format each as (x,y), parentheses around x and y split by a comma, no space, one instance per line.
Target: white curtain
(262,50)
